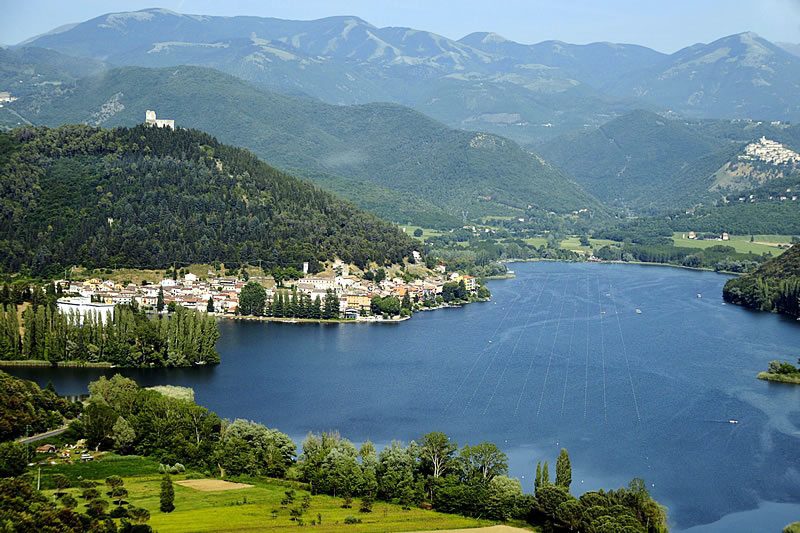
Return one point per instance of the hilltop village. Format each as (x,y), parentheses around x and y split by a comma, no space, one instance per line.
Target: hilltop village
(370,296)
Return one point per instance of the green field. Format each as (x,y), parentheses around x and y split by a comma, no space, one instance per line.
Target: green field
(574,244)
(570,243)
(426,232)
(761,243)
(247,509)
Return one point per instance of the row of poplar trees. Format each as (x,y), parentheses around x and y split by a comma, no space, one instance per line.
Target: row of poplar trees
(130,338)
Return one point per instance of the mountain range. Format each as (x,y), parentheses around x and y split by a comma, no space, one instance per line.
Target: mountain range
(387,158)
(480,82)
(347,105)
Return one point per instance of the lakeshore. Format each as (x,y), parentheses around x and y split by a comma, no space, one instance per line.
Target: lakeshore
(385,383)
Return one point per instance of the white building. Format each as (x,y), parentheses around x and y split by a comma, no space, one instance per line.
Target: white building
(151,120)
(83,307)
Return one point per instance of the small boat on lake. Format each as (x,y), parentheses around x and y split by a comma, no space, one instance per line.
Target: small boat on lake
(638,311)
(733,421)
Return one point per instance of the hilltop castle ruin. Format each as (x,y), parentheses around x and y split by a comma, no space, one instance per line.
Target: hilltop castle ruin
(151,120)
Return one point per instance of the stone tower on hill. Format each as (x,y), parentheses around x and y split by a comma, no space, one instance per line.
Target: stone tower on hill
(151,120)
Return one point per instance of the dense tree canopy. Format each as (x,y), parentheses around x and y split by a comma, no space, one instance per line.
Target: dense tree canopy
(775,286)
(149,197)
(27,409)
(130,338)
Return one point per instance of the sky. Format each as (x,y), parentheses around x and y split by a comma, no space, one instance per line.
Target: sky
(665,25)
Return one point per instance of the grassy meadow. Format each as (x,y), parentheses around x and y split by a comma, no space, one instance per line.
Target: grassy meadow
(761,243)
(257,508)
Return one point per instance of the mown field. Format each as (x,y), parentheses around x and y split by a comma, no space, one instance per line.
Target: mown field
(761,243)
(248,509)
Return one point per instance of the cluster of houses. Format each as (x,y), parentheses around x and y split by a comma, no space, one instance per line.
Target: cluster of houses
(783,197)
(770,152)
(68,453)
(6,98)
(98,297)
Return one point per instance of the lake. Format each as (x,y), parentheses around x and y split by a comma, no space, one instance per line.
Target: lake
(559,358)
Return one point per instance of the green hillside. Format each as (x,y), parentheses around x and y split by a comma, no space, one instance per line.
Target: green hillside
(774,286)
(631,159)
(644,161)
(146,197)
(421,168)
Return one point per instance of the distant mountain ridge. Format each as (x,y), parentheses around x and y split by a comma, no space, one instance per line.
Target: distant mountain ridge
(792,48)
(480,82)
(739,76)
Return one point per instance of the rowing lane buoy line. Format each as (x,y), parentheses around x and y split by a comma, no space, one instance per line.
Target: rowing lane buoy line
(486,348)
(514,349)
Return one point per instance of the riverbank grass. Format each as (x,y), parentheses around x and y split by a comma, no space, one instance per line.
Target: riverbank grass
(254,508)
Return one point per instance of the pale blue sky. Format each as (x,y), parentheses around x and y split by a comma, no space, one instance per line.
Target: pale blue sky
(665,25)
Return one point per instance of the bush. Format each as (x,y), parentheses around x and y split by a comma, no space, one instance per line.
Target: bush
(118,512)
(90,494)
(366,504)
(69,501)
(352,520)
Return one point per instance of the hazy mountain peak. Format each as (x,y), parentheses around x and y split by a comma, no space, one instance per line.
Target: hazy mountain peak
(483,37)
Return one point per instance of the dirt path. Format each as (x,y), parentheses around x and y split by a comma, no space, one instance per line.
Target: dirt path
(212,485)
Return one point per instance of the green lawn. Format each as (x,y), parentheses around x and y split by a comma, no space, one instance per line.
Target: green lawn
(248,509)
(761,243)
(536,241)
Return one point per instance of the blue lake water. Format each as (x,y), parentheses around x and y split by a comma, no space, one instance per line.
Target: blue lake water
(559,358)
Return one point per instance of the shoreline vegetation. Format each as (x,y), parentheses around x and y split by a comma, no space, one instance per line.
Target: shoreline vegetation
(59,364)
(39,334)
(360,320)
(133,434)
(781,372)
(793,379)
(608,262)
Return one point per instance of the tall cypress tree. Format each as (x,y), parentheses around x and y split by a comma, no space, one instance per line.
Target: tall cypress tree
(167,495)
(563,470)
(545,479)
(316,309)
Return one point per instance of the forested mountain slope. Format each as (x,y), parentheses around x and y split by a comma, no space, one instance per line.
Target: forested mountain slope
(149,197)
(390,159)
(646,161)
(775,286)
